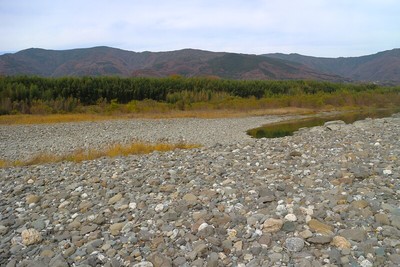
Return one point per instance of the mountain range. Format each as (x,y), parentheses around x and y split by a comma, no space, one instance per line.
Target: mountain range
(383,67)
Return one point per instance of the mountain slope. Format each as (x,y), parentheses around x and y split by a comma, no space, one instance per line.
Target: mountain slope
(383,67)
(99,61)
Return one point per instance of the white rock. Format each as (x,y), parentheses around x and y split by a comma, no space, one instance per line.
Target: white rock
(366,263)
(64,204)
(132,205)
(387,172)
(144,264)
(202,226)
(159,207)
(291,217)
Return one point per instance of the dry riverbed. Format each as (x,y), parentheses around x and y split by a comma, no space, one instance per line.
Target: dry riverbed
(327,196)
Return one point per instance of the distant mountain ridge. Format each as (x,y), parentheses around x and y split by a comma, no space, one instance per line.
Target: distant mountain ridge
(382,67)
(102,61)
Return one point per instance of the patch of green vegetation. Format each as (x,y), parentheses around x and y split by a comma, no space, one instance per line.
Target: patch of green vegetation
(288,128)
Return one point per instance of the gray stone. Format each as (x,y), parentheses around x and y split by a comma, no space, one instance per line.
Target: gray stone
(143,264)
(179,261)
(58,261)
(288,226)
(334,125)
(321,239)
(294,244)
(335,256)
(12,263)
(356,234)
(212,260)
(395,221)
(3,229)
(38,225)
(159,260)
(395,258)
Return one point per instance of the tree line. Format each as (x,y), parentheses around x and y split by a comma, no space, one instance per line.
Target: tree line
(21,93)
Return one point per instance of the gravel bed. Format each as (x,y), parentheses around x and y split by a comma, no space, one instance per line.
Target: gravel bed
(24,141)
(327,196)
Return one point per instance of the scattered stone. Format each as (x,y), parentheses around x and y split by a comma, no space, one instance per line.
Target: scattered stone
(306,234)
(116,228)
(356,234)
(3,229)
(238,246)
(190,199)
(32,199)
(289,226)
(320,239)
(212,260)
(359,204)
(115,199)
(294,244)
(291,217)
(334,125)
(144,264)
(159,260)
(382,219)
(272,225)
(320,227)
(318,198)
(341,242)
(395,221)
(88,229)
(31,236)
(58,261)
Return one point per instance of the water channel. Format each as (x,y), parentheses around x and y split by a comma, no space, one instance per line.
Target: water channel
(287,128)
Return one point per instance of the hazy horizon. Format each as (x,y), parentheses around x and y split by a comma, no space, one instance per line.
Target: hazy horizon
(13,52)
(320,28)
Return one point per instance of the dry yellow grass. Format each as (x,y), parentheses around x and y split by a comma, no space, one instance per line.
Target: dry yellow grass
(91,154)
(3,163)
(207,114)
(52,118)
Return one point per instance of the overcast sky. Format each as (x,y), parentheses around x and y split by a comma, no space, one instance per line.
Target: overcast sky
(329,28)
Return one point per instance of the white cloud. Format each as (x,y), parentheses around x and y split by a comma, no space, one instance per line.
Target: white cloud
(315,27)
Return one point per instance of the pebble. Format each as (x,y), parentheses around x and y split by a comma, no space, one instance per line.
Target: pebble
(31,236)
(291,217)
(320,227)
(294,244)
(323,196)
(341,242)
(272,225)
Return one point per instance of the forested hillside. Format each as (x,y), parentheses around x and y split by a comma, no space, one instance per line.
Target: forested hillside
(48,95)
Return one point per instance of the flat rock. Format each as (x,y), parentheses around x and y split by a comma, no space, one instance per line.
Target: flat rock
(272,225)
(356,234)
(320,227)
(321,239)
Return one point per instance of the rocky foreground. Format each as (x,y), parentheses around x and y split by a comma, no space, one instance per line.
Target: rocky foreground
(328,196)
